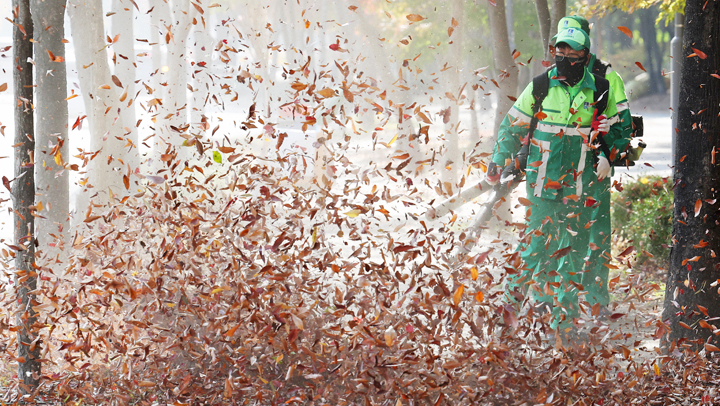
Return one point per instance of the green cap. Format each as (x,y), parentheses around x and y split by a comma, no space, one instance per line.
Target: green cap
(576,38)
(574,22)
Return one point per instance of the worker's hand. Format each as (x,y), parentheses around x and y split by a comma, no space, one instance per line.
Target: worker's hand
(600,123)
(603,168)
(493,174)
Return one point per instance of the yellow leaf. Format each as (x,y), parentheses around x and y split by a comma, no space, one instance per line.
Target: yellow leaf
(39,206)
(393,140)
(657,369)
(474,273)
(216,290)
(59,159)
(353,213)
(314,236)
(72,96)
(458,295)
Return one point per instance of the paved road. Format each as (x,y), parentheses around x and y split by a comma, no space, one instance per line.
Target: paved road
(657,157)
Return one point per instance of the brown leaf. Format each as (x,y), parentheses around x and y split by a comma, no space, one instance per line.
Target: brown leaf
(711,348)
(3,87)
(414,17)
(561,252)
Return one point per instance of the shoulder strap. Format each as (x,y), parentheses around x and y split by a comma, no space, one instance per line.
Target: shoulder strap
(600,67)
(541,86)
(602,90)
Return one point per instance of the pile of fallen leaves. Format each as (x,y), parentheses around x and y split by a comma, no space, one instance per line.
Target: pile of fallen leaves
(234,285)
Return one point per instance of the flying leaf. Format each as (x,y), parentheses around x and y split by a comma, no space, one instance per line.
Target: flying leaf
(524,201)
(561,252)
(479,297)
(415,17)
(626,31)
(698,206)
(474,273)
(458,295)
(390,336)
(353,213)
(640,66)
(3,87)
(711,348)
(699,53)
(217,157)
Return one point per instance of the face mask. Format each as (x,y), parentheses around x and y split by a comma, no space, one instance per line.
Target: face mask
(573,73)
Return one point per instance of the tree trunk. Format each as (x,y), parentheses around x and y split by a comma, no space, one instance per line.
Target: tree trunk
(51,132)
(23,193)
(559,9)
(124,59)
(649,36)
(504,64)
(102,105)
(694,268)
(545,21)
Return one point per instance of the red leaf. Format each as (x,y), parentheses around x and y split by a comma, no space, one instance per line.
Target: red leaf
(699,53)
(640,66)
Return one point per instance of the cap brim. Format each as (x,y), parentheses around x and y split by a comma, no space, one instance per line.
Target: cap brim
(573,44)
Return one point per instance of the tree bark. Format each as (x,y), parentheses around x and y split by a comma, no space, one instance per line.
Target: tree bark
(694,268)
(544,21)
(504,64)
(23,193)
(559,9)
(51,132)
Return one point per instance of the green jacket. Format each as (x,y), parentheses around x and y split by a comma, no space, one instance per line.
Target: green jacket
(618,89)
(560,162)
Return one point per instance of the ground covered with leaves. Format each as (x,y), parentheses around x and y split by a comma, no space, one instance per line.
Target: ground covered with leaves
(252,266)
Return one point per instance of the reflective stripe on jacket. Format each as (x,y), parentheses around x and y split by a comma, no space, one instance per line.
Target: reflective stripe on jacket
(560,161)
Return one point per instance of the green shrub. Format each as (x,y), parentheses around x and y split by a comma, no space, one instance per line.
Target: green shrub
(642,217)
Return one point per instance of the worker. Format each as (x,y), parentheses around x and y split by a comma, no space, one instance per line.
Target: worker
(595,278)
(564,167)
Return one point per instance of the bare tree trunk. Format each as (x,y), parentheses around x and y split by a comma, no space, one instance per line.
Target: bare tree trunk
(648,33)
(503,60)
(559,9)
(102,104)
(691,295)
(545,21)
(124,60)
(23,193)
(51,132)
